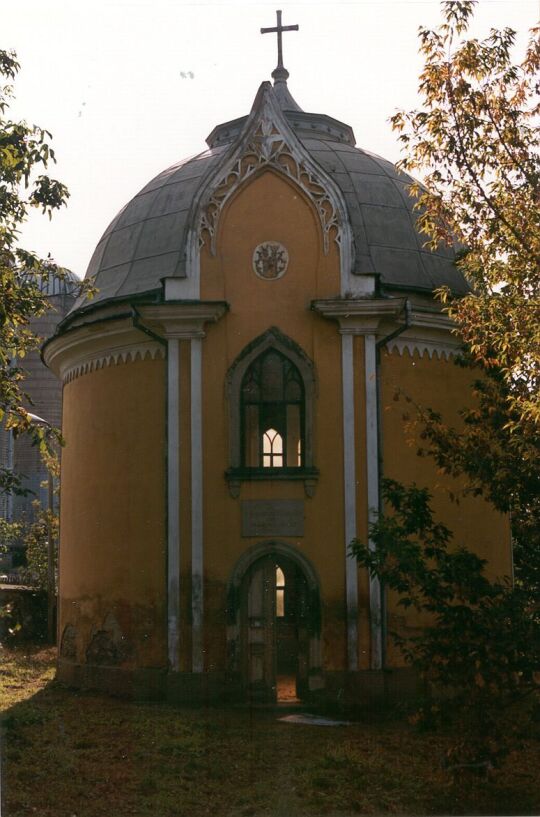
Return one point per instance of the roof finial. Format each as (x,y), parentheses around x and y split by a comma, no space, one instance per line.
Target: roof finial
(280,73)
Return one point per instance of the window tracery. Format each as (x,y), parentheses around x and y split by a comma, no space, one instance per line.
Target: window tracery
(271,390)
(268,146)
(272,413)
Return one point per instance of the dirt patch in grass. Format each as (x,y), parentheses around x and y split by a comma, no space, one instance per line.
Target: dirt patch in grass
(68,754)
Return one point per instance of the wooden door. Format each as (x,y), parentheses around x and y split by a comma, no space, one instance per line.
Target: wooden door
(260,632)
(302,613)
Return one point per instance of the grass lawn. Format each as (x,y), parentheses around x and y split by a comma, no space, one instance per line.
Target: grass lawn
(83,755)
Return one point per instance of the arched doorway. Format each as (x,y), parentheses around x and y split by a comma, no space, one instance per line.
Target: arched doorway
(276,624)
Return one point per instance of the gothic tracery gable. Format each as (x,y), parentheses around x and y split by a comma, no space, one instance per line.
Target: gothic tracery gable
(269,143)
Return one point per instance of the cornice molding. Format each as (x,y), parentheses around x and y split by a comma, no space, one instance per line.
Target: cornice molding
(433,348)
(359,316)
(431,319)
(185,319)
(430,330)
(93,345)
(143,352)
(96,344)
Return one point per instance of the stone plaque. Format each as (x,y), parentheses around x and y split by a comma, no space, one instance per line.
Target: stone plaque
(273,517)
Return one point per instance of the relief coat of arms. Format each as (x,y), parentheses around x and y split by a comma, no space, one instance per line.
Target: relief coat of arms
(270,260)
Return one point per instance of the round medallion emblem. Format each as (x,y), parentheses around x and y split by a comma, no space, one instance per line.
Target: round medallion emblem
(270,260)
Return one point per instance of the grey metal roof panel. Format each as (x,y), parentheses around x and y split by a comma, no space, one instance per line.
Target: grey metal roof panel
(109,281)
(357,223)
(192,171)
(163,177)
(358,161)
(160,235)
(146,273)
(121,245)
(97,255)
(344,182)
(371,189)
(388,168)
(389,226)
(404,188)
(363,264)
(400,267)
(136,209)
(442,273)
(315,144)
(174,197)
(144,242)
(342,147)
(114,223)
(328,160)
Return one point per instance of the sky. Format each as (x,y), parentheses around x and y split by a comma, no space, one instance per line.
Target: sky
(129,87)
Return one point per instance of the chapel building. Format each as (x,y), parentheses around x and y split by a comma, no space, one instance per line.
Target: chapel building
(229,412)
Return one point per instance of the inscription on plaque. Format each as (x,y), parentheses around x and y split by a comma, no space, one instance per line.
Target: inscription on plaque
(272,517)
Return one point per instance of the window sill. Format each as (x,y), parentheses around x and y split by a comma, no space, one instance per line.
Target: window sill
(236,476)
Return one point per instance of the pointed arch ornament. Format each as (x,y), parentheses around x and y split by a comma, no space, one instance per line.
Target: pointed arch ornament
(268,142)
(269,147)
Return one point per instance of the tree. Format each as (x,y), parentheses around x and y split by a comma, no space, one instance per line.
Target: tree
(476,142)
(35,536)
(11,535)
(481,649)
(24,151)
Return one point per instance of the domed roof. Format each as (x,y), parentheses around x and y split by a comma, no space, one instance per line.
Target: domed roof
(63,282)
(147,241)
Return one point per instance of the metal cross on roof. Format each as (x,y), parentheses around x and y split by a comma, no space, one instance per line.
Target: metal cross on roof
(279,29)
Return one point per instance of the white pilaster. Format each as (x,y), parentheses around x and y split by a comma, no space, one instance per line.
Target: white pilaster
(197,596)
(173,501)
(372,457)
(349,476)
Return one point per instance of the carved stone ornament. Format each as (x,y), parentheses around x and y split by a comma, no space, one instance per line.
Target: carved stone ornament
(270,260)
(268,147)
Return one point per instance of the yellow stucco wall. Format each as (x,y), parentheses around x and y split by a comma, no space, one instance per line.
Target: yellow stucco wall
(446,388)
(112,553)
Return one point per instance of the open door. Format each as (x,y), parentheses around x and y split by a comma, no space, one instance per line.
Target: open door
(260,632)
(292,639)
(275,631)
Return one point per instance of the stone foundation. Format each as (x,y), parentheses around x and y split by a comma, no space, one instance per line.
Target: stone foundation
(202,688)
(367,689)
(346,690)
(140,684)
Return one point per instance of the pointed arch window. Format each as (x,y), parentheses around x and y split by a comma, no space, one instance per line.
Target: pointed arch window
(271,390)
(272,407)
(280,592)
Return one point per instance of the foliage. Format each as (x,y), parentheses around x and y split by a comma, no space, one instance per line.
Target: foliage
(476,142)
(480,649)
(24,616)
(36,540)
(24,151)
(11,533)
